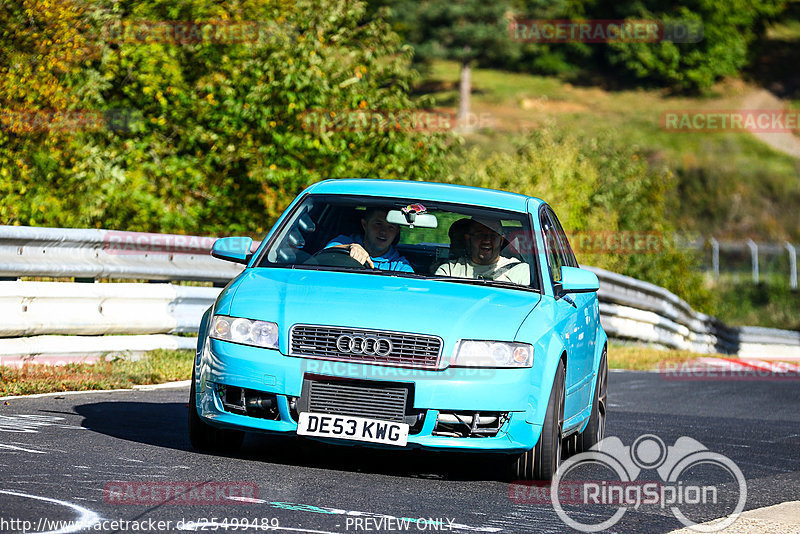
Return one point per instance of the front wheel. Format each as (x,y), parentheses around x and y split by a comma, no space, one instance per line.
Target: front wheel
(205,437)
(541,462)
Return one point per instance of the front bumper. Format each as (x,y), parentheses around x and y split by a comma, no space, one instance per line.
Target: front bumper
(452,389)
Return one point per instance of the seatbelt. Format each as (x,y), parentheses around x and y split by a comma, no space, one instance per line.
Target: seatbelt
(498,272)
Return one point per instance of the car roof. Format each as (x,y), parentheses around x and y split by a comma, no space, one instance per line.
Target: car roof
(459,194)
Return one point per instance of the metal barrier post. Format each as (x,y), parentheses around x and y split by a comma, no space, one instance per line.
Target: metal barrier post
(754,254)
(792,265)
(715,256)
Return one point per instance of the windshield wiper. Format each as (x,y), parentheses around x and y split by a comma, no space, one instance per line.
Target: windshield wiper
(367,270)
(484,282)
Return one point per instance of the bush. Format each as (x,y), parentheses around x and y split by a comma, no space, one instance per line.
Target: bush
(594,185)
(220,143)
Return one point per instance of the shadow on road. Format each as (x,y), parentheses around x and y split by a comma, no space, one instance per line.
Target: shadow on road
(164,425)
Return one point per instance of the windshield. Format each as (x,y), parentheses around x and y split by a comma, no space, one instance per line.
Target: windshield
(406,237)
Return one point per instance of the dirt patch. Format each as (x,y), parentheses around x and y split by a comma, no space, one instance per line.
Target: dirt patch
(551,106)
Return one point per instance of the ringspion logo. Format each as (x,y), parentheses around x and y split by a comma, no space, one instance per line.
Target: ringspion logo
(693,479)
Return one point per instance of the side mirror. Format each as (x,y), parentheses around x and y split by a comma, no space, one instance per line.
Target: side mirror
(574,280)
(236,249)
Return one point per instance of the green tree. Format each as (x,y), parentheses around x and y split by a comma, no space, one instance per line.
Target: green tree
(598,188)
(467,31)
(729,31)
(223,134)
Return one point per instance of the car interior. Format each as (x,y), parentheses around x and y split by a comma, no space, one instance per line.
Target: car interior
(322,222)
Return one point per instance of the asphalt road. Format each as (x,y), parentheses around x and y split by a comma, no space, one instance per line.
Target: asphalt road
(113,456)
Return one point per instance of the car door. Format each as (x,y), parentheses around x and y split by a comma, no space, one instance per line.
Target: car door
(566,323)
(582,338)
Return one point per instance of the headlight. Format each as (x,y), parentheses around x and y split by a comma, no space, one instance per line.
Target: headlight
(473,353)
(245,331)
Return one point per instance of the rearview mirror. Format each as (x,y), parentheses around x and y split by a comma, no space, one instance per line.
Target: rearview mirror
(236,249)
(420,220)
(574,280)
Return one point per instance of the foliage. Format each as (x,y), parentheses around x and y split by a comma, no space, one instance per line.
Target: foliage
(595,187)
(467,31)
(220,139)
(730,28)
(773,304)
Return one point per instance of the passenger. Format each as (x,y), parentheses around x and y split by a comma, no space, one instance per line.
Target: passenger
(484,239)
(376,248)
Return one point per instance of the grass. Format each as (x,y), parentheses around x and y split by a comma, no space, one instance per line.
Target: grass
(771,304)
(722,166)
(155,367)
(640,358)
(161,366)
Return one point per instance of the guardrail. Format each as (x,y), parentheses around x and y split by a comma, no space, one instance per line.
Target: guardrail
(630,309)
(634,310)
(107,254)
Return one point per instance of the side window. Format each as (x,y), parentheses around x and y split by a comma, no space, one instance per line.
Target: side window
(566,249)
(555,257)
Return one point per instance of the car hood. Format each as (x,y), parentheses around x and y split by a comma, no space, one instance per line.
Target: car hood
(450,310)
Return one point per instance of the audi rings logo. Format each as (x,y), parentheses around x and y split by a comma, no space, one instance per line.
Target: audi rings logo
(369,345)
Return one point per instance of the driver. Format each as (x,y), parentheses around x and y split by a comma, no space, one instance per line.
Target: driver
(484,239)
(376,248)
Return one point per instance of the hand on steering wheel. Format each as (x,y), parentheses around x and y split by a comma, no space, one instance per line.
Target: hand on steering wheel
(358,253)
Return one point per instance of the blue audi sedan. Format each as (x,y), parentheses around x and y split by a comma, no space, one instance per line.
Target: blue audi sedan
(403,314)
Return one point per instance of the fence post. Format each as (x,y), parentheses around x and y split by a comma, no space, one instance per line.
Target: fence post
(792,265)
(754,255)
(715,256)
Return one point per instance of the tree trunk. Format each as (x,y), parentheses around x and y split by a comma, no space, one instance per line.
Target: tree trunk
(463,118)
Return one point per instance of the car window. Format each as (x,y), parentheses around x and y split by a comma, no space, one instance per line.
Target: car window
(566,250)
(553,247)
(449,243)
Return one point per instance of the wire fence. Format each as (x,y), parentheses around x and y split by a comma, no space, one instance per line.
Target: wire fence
(749,260)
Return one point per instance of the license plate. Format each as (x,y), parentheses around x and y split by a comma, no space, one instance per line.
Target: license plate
(354,428)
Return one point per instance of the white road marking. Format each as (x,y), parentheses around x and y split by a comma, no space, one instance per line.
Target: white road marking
(23,449)
(166,385)
(86,519)
(31,423)
(248,500)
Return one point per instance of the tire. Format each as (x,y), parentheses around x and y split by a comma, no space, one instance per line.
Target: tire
(596,427)
(205,437)
(541,462)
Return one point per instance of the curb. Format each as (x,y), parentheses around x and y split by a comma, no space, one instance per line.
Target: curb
(783,518)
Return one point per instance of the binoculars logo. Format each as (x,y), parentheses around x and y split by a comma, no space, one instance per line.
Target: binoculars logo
(677,467)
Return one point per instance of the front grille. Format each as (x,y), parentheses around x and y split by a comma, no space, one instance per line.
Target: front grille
(387,403)
(407,350)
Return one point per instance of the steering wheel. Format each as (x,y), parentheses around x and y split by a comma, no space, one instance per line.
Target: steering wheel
(334,257)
